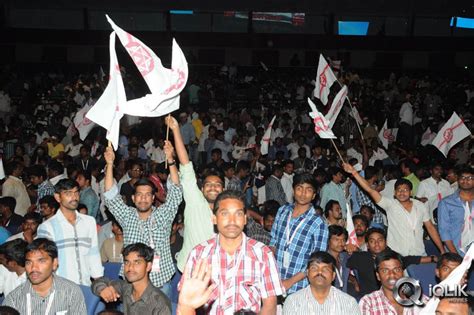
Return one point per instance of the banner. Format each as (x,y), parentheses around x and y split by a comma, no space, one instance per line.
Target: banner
(336,106)
(452,132)
(265,142)
(321,124)
(325,78)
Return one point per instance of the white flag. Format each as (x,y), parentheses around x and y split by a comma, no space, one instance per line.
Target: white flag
(101,73)
(350,227)
(164,84)
(387,136)
(452,132)
(265,142)
(108,109)
(321,124)
(264,66)
(83,124)
(2,170)
(454,279)
(336,106)
(324,80)
(355,113)
(427,137)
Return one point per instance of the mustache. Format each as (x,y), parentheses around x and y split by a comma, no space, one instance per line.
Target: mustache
(319,275)
(231,226)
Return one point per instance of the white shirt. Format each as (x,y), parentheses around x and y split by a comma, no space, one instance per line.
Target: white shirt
(74,150)
(56,179)
(355,154)
(16,236)
(10,280)
(158,155)
(434,191)
(406,113)
(293,150)
(389,190)
(14,187)
(287,183)
(405,232)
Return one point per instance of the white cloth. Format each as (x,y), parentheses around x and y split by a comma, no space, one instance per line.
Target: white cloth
(287,183)
(321,124)
(336,106)
(10,280)
(325,78)
(405,233)
(434,191)
(451,133)
(56,179)
(74,150)
(16,237)
(14,187)
(406,113)
(389,190)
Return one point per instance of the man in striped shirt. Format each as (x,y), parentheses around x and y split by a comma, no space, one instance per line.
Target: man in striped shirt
(320,297)
(44,292)
(244,270)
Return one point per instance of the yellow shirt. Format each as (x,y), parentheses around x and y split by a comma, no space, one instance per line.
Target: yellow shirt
(53,151)
(197,124)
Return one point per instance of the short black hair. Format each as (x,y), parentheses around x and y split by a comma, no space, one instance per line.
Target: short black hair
(322,257)
(337,230)
(216,151)
(56,167)
(45,245)
(453,257)
(277,167)
(286,162)
(270,208)
(87,174)
(403,181)
(385,255)
(370,172)
(81,206)
(144,182)
(212,172)
(226,166)
(362,218)
(332,171)
(305,178)
(464,169)
(159,168)
(34,216)
(11,166)
(329,206)
(242,166)
(7,310)
(229,194)
(409,164)
(14,251)
(50,201)
(372,210)
(38,171)
(375,230)
(8,202)
(65,184)
(144,251)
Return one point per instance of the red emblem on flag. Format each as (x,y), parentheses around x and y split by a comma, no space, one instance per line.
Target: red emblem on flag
(387,134)
(140,55)
(318,128)
(448,134)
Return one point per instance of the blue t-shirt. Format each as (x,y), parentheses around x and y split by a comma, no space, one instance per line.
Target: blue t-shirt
(4,234)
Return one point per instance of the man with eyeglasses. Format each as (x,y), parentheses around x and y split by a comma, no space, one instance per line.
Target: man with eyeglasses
(146,223)
(406,217)
(455,214)
(389,269)
(137,293)
(75,234)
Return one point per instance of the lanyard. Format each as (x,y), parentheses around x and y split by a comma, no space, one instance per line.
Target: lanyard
(150,226)
(48,307)
(287,230)
(84,167)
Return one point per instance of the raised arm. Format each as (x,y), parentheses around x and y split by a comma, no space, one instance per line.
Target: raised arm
(109,156)
(169,152)
(178,140)
(376,196)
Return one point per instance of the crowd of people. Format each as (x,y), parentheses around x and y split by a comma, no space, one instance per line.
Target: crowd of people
(202,221)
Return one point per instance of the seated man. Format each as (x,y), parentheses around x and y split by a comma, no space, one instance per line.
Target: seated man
(446,264)
(12,265)
(44,292)
(389,268)
(137,293)
(29,227)
(320,297)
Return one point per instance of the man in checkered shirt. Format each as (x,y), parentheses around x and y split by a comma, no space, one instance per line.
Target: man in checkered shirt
(145,223)
(244,271)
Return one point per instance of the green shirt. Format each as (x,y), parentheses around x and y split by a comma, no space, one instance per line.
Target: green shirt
(415,182)
(198,225)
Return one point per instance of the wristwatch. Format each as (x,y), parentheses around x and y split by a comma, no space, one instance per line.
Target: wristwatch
(171,163)
(433,257)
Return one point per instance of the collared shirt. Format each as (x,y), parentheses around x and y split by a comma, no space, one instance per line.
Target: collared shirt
(364,200)
(405,233)
(434,191)
(14,187)
(304,303)
(152,301)
(78,251)
(56,179)
(257,232)
(254,278)
(9,281)
(451,216)
(310,237)
(44,189)
(376,303)
(415,183)
(274,190)
(333,191)
(187,130)
(198,225)
(406,113)
(67,299)
(157,226)
(90,199)
(287,184)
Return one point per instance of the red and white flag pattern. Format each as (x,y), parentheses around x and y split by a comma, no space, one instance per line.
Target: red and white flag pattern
(321,124)
(355,113)
(452,132)
(83,124)
(352,239)
(427,137)
(336,106)
(387,136)
(265,142)
(325,78)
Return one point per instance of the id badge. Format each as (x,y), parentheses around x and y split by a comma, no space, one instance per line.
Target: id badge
(286,259)
(156,264)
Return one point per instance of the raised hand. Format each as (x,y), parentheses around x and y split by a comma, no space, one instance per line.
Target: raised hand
(169,150)
(109,155)
(196,290)
(171,122)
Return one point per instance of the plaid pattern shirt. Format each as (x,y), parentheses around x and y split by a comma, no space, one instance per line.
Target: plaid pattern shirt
(257,232)
(256,277)
(158,226)
(310,237)
(376,303)
(364,200)
(45,189)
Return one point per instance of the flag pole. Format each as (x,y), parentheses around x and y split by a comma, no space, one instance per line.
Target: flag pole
(167,135)
(337,150)
(350,104)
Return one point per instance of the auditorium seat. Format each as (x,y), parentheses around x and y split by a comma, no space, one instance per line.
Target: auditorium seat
(93,303)
(112,270)
(425,274)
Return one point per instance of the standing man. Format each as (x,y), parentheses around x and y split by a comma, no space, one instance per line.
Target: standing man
(146,223)
(406,217)
(405,133)
(45,292)
(320,297)
(287,179)
(39,177)
(244,269)
(335,190)
(10,220)
(48,207)
(88,197)
(75,234)
(273,188)
(455,214)
(298,232)
(433,189)
(14,187)
(137,293)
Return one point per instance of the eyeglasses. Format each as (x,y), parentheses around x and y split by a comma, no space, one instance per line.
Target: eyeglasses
(469,177)
(386,271)
(70,192)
